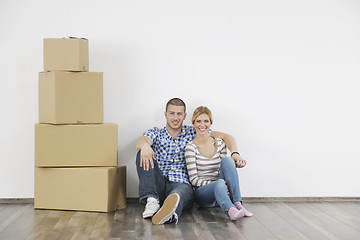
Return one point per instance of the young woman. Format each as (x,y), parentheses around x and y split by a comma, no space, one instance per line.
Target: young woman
(211,172)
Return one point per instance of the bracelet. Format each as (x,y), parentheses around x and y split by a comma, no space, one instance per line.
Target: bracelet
(234,153)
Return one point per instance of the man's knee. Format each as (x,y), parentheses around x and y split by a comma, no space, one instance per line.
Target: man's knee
(138,158)
(184,190)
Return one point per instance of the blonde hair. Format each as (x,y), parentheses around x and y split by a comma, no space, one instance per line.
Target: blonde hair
(200,110)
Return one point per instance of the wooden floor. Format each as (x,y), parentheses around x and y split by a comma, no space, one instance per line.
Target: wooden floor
(275,220)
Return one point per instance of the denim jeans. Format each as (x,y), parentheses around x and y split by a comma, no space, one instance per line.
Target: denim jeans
(215,193)
(153,184)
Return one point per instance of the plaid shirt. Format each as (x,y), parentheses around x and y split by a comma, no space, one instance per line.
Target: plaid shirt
(170,153)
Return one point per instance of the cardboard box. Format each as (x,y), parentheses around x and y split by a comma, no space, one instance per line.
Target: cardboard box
(100,189)
(70,97)
(76,145)
(66,54)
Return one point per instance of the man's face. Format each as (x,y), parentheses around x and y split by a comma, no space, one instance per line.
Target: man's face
(175,116)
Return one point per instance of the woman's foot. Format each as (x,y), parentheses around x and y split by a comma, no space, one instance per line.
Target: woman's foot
(235,214)
(239,207)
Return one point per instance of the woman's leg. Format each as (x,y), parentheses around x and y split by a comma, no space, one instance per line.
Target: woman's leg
(214,194)
(229,173)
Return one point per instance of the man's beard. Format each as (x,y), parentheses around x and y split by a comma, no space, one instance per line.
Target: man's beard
(174,128)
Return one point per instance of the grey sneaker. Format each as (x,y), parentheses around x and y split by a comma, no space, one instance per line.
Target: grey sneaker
(152,206)
(167,210)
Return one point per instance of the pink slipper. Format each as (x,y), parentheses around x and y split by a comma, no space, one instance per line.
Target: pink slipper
(239,207)
(235,214)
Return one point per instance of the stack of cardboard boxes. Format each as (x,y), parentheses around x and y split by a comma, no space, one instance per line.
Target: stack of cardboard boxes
(76,165)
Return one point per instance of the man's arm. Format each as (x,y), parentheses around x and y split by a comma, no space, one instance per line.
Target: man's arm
(228,139)
(143,140)
(231,145)
(147,155)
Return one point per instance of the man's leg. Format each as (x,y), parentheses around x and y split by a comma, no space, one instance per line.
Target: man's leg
(151,185)
(185,192)
(180,196)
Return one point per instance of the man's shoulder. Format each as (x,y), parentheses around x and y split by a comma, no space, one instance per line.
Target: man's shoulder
(154,133)
(188,129)
(155,130)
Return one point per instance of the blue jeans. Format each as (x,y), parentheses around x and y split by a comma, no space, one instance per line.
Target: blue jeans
(215,193)
(153,184)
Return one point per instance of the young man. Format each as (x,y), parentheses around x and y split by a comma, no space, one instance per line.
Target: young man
(161,165)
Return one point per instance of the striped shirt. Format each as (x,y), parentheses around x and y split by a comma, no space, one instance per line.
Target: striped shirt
(203,170)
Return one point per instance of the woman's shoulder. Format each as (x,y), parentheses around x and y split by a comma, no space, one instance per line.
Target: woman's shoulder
(191,145)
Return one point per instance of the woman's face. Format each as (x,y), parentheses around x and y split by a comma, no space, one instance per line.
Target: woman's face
(202,124)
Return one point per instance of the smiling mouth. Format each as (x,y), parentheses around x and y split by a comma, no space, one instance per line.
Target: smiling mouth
(202,129)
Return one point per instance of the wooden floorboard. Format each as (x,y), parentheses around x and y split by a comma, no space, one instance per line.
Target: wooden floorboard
(102,227)
(279,227)
(346,213)
(51,225)
(79,226)
(332,227)
(9,213)
(300,222)
(21,222)
(272,220)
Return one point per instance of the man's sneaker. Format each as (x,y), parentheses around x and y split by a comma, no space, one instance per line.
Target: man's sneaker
(174,218)
(152,206)
(167,210)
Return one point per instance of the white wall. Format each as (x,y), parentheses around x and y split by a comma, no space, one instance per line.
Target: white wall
(281,76)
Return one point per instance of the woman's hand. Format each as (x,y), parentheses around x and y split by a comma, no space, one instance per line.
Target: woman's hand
(239,161)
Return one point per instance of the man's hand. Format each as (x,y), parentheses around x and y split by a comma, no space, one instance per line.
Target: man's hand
(147,157)
(239,161)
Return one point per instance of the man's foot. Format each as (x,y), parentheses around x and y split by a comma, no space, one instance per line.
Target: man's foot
(174,218)
(152,206)
(239,206)
(235,214)
(167,210)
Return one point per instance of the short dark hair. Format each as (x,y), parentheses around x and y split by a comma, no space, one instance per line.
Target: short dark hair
(176,102)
